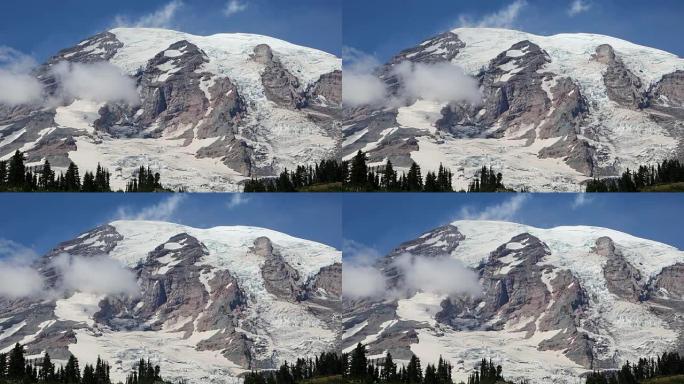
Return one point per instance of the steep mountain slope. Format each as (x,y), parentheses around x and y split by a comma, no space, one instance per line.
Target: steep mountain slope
(213,110)
(556,110)
(555,303)
(212,304)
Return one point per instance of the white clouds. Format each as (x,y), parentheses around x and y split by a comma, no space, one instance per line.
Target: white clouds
(162,211)
(15,253)
(503,18)
(440,82)
(233,7)
(581,200)
(359,85)
(362,281)
(358,254)
(160,18)
(236,200)
(17,84)
(577,7)
(17,281)
(99,82)
(97,275)
(438,275)
(505,211)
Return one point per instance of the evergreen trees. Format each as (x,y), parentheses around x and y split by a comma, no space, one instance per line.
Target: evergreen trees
(145,181)
(486,180)
(668,364)
(326,364)
(667,172)
(354,176)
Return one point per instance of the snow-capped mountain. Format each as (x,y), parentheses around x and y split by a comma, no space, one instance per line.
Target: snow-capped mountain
(213,110)
(555,111)
(213,303)
(554,304)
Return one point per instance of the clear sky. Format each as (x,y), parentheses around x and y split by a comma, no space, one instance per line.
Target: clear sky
(383,221)
(41,221)
(383,28)
(41,27)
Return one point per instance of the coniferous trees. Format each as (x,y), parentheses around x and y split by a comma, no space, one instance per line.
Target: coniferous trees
(668,364)
(667,172)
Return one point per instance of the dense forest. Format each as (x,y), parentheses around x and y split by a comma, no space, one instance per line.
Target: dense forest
(357,176)
(15,368)
(666,176)
(15,176)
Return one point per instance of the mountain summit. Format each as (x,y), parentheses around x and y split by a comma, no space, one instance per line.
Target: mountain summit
(207,111)
(554,111)
(205,304)
(551,304)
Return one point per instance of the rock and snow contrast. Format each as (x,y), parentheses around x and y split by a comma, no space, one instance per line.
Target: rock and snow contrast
(211,303)
(212,111)
(554,110)
(553,303)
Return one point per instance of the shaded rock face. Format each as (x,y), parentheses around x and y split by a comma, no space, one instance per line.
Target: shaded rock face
(668,284)
(623,86)
(668,95)
(280,278)
(280,86)
(622,278)
(327,282)
(326,93)
(100,47)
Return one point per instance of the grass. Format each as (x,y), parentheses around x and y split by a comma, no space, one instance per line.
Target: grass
(338,379)
(671,187)
(679,379)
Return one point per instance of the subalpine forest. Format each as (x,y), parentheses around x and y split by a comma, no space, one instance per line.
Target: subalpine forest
(16,176)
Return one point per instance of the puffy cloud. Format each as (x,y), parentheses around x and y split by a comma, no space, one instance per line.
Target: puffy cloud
(100,82)
(18,281)
(362,281)
(506,210)
(17,84)
(440,82)
(233,7)
(358,254)
(577,7)
(98,275)
(236,200)
(359,85)
(15,253)
(438,275)
(160,18)
(162,211)
(503,18)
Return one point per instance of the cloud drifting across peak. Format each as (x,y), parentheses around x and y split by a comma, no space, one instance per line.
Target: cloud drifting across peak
(577,7)
(160,18)
(359,85)
(17,84)
(505,211)
(503,18)
(233,7)
(97,275)
(100,82)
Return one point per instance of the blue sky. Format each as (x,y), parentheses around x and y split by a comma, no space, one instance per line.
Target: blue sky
(41,27)
(383,28)
(41,221)
(383,221)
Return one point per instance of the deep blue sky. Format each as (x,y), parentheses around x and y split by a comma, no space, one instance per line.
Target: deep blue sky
(42,27)
(384,27)
(383,221)
(40,221)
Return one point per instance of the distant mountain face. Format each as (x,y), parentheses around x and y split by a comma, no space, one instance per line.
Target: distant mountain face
(212,304)
(213,110)
(555,111)
(554,303)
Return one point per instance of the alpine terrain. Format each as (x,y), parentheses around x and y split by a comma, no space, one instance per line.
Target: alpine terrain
(553,304)
(210,303)
(212,110)
(554,111)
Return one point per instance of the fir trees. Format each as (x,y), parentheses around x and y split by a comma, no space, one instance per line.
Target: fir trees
(145,181)
(359,362)
(644,178)
(358,174)
(486,180)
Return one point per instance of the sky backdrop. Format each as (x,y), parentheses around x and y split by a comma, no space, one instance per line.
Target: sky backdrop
(41,221)
(42,27)
(383,28)
(383,221)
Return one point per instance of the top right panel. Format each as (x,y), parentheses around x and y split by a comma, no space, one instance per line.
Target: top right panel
(517,95)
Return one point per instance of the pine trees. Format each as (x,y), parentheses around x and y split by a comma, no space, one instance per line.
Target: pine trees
(667,172)
(16,366)
(357,366)
(358,174)
(486,180)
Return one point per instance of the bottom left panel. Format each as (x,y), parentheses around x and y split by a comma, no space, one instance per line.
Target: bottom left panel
(147,288)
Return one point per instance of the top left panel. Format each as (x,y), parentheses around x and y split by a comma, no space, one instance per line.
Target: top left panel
(166,95)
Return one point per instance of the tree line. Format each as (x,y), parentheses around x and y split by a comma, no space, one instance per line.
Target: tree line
(667,172)
(356,175)
(325,365)
(669,364)
(16,176)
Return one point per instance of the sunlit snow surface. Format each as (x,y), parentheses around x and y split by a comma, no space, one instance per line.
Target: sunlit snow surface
(287,329)
(626,138)
(630,329)
(282,137)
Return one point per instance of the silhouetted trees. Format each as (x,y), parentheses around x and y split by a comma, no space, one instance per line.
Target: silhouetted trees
(667,172)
